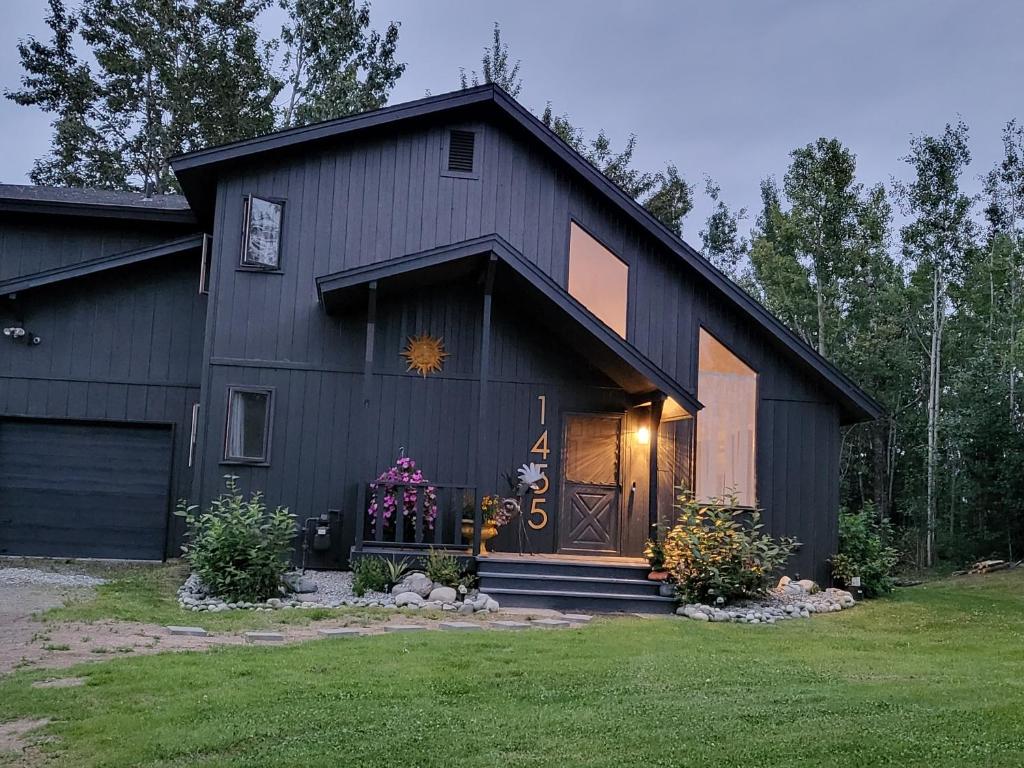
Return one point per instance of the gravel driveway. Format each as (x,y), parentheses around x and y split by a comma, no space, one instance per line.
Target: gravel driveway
(26,591)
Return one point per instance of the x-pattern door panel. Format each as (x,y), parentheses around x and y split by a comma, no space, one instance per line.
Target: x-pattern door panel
(590,483)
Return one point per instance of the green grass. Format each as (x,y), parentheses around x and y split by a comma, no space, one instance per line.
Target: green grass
(931,677)
(148,594)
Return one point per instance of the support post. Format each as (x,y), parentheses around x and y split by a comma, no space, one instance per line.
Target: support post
(657,405)
(483,451)
(365,471)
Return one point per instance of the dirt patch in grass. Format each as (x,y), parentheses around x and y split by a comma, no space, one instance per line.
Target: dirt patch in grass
(16,735)
(59,682)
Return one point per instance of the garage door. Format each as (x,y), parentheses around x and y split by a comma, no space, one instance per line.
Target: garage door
(83,490)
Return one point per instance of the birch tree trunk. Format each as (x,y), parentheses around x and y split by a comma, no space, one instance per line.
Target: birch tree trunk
(934,396)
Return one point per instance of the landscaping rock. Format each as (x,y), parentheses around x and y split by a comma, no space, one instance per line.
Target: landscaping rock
(443,595)
(296,582)
(413,599)
(414,582)
(808,586)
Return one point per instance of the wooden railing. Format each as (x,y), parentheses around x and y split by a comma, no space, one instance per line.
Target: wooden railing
(411,525)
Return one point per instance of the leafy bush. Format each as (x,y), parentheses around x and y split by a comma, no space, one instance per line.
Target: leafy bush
(238,548)
(369,574)
(443,568)
(717,551)
(863,552)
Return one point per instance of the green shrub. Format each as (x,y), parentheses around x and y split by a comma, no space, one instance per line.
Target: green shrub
(863,552)
(238,548)
(443,568)
(369,574)
(395,570)
(717,551)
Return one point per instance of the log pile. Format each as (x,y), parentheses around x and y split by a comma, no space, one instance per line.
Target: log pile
(988,566)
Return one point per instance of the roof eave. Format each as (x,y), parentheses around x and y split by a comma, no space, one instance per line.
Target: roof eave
(97,211)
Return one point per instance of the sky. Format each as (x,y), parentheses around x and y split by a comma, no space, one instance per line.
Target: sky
(725,88)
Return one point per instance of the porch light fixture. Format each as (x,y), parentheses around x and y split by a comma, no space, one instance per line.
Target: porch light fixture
(643,435)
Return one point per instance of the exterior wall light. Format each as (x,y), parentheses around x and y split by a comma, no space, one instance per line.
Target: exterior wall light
(643,435)
(16,333)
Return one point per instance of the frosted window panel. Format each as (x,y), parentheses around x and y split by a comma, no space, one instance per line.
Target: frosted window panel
(726,426)
(263,234)
(598,279)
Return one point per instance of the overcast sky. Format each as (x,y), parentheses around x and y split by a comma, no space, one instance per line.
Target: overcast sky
(717,87)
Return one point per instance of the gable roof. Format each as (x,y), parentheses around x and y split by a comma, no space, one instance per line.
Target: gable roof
(197,171)
(95,203)
(101,264)
(609,352)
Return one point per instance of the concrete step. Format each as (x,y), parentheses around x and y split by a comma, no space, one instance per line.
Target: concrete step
(490,581)
(557,567)
(593,602)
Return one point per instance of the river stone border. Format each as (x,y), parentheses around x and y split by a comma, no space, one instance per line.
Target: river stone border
(332,589)
(786,601)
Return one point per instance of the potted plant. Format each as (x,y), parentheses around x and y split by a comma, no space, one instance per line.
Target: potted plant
(654,551)
(496,512)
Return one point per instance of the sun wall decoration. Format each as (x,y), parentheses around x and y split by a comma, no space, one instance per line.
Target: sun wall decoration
(425,354)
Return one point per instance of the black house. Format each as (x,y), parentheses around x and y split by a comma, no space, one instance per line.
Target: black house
(443,280)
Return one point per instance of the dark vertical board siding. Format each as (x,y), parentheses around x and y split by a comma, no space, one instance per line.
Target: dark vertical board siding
(36,243)
(383,197)
(123,345)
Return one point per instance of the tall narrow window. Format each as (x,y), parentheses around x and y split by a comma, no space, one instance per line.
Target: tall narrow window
(261,233)
(726,444)
(598,279)
(248,428)
(204,264)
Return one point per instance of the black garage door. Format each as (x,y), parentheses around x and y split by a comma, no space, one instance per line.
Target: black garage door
(83,490)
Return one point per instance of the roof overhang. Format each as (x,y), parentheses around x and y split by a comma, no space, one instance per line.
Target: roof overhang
(101,264)
(197,173)
(94,210)
(549,303)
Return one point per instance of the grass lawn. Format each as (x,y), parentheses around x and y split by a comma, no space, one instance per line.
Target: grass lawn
(148,594)
(931,677)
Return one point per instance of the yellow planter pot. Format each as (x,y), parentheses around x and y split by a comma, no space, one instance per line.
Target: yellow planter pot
(487,532)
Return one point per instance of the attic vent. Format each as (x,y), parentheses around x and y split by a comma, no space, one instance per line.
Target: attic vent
(460,151)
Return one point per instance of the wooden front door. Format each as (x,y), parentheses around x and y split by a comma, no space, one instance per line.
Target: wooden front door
(589,512)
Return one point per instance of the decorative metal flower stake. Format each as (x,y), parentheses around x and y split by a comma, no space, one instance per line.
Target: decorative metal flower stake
(425,354)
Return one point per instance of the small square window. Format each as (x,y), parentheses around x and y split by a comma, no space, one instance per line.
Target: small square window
(261,233)
(248,429)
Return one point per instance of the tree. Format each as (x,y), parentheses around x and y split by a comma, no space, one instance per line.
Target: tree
(782,282)
(496,68)
(938,241)
(723,245)
(178,75)
(664,194)
(824,266)
(1004,187)
(56,81)
(334,64)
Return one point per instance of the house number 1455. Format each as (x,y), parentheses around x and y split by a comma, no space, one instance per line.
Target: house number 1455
(538,516)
